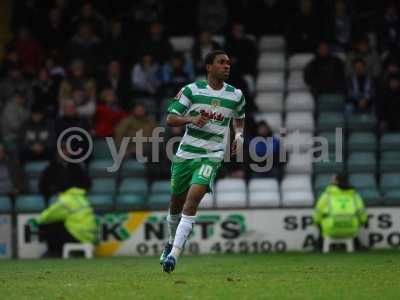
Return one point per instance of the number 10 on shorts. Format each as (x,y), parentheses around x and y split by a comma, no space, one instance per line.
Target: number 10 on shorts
(205,171)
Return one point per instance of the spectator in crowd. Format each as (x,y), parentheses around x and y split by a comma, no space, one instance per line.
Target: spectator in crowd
(242,49)
(85,106)
(77,79)
(108,113)
(143,13)
(203,45)
(10,60)
(361,88)
(175,74)
(137,121)
(114,78)
(61,175)
(116,45)
(212,15)
(389,29)
(89,15)
(70,118)
(303,31)
(69,220)
(12,181)
(156,43)
(54,32)
(84,45)
(13,118)
(389,105)
(45,90)
(338,28)
(340,211)
(265,146)
(29,51)
(325,73)
(362,50)
(144,77)
(56,69)
(37,137)
(12,84)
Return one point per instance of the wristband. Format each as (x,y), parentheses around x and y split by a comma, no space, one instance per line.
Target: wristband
(239,136)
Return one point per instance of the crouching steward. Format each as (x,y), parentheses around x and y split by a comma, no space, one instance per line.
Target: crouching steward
(69,220)
(340,210)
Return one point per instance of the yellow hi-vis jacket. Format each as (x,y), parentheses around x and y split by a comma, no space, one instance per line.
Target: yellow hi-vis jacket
(73,208)
(339,212)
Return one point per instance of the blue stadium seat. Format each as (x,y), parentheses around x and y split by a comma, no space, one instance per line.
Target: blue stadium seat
(134,186)
(133,168)
(33,185)
(130,202)
(161,186)
(35,168)
(5,204)
(101,203)
(98,168)
(360,161)
(159,201)
(101,149)
(29,204)
(103,185)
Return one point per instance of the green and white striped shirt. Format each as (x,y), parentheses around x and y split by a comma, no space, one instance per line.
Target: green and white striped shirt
(220,106)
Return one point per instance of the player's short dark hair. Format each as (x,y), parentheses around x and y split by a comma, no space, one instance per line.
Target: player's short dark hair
(209,60)
(342,180)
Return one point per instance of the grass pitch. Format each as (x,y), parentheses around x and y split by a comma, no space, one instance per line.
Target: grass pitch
(369,275)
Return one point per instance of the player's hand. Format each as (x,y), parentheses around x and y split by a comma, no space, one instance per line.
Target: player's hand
(199,120)
(237,143)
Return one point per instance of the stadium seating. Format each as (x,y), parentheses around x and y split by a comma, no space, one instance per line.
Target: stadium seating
(296,82)
(102,203)
(182,43)
(101,149)
(207,201)
(361,162)
(363,141)
(271,61)
(390,141)
(297,198)
(328,121)
(390,161)
(273,119)
(390,187)
(303,121)
(321,182)
(264,192)
(299,61)
(299,101)
(5,204)
(133,168)
(231,193)
(269,102)
(130,202)
(272,43)
(159,201)
(299,163)
(35,168)
(98,168)
(298,141)
(330,102)
(33,185)
(330,167)
(362,122)
(29,204)
(103,185)
(137,186)
(270,82)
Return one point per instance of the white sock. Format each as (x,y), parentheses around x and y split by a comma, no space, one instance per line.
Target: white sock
(183,232)
(172,224)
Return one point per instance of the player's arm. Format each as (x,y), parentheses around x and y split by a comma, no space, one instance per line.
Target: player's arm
(176,120)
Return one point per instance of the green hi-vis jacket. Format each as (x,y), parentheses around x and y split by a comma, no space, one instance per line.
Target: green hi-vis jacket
(73,208)
(339,212)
